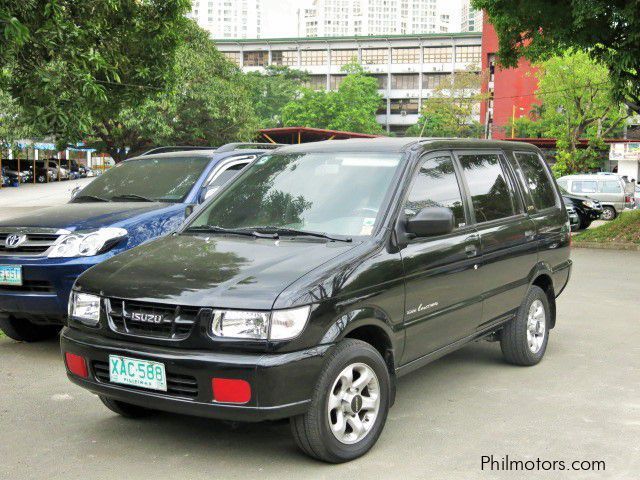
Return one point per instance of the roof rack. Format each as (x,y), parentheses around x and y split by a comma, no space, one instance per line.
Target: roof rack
(174,149)
(240,146)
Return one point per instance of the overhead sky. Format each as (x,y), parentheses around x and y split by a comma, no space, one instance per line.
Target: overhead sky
(280,17)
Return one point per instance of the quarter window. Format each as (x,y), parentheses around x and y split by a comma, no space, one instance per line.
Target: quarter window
(436,185)
(491,194)
(537,180)
(609,187)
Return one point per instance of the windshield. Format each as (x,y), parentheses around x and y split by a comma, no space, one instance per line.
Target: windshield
(332,193)
(157,179)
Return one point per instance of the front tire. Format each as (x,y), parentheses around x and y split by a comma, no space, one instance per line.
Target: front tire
(524,339)
(23,330)
(349,405)
(584,222)
(608,213)
(123,409)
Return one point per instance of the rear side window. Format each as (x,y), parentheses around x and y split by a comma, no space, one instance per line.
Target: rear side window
(436,185)
(537,180)
(609,186)
(584,186)
(490,191)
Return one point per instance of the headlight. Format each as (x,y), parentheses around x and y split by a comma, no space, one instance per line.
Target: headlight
(589,204)
(86,244)
(277,325)
(85,308)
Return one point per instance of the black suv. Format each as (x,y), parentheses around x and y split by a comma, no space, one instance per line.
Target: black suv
(317,277)
(586,208)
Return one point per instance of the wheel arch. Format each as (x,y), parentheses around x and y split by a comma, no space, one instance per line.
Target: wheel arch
(544,280)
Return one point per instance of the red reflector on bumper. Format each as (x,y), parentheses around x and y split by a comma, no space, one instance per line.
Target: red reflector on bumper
(76,365)
(229,390)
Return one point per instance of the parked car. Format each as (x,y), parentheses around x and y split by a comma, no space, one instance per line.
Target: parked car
(609,189)
(574,218)
(321,274)
(586,208)
(41,254)
(43,172)
(17,169)
(636,195)
(5,181)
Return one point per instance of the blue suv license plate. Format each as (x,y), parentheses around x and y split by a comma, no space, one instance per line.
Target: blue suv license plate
(10,275)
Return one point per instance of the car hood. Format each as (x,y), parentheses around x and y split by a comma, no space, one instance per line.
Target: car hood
(88,216)
(579,198)
(217,271)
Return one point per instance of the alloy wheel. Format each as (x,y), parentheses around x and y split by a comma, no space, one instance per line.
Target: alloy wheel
(536,326)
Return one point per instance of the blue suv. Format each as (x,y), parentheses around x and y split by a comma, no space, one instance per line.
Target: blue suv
(42,254)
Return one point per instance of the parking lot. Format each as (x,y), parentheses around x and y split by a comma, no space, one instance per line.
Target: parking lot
(581,403)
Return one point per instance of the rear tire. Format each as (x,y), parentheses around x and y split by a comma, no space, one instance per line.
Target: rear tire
(608,213)
(349,405)
(524,339)
(124,409)
(23,330)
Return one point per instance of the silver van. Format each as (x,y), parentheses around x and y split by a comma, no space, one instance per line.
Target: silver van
(608,188)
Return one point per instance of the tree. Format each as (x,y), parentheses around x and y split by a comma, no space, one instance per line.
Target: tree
(77,63)
(577,102)
(272,90)
(451,110)
(208,105)
(609,31)
(12,122)
(351,108)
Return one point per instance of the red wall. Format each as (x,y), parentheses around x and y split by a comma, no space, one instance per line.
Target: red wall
(513,86)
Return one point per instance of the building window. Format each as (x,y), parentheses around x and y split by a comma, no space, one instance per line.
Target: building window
(232,57)
(335,81)
(316,82)
(433,80)
(375,56)
(405,55)
(342,57)
(288,58)
(405,81)
(437,54)
(256,59)
(313,57)
(382,81)
(405,106)
(468,54)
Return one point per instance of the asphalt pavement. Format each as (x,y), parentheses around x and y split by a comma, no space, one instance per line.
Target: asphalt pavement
(581,403)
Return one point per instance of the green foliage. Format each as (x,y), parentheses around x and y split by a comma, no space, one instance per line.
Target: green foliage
(578,102)
(272,90)
(209,105)
(13,124)
(606,30)
(78,63)
(450,111)
(351,108)
(624,229)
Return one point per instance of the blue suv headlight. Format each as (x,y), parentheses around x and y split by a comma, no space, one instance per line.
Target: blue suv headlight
(86,244)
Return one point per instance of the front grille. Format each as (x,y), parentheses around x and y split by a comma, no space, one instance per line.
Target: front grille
(176,323)
(177,385)
(35,243)
(29,286)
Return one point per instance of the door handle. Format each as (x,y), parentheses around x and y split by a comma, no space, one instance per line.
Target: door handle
(471,250)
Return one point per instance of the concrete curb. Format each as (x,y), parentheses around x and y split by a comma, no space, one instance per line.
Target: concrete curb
(607,246)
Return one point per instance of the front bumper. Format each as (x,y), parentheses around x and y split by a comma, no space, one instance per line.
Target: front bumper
(281,384)
(47,283)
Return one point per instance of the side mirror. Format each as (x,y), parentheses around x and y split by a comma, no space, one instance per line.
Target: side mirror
(431,221)
(74,192)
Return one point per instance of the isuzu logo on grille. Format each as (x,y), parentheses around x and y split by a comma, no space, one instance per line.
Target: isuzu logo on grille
(147,317)
(14,240)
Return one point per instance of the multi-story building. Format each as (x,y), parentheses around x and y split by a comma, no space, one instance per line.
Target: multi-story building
(471,19)
(328,18)
(408,67)
(228,18)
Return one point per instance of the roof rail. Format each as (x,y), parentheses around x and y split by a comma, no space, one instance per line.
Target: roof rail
(174,149)
(239,146)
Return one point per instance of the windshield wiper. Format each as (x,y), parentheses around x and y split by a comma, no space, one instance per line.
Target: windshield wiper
(131,196)
(93,198)
(293,231)
(233,231)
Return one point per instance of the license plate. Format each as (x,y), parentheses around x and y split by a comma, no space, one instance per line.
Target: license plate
(137,373)
(10,275)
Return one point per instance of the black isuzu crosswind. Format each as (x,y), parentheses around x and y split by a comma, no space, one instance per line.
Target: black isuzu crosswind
(320,275)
